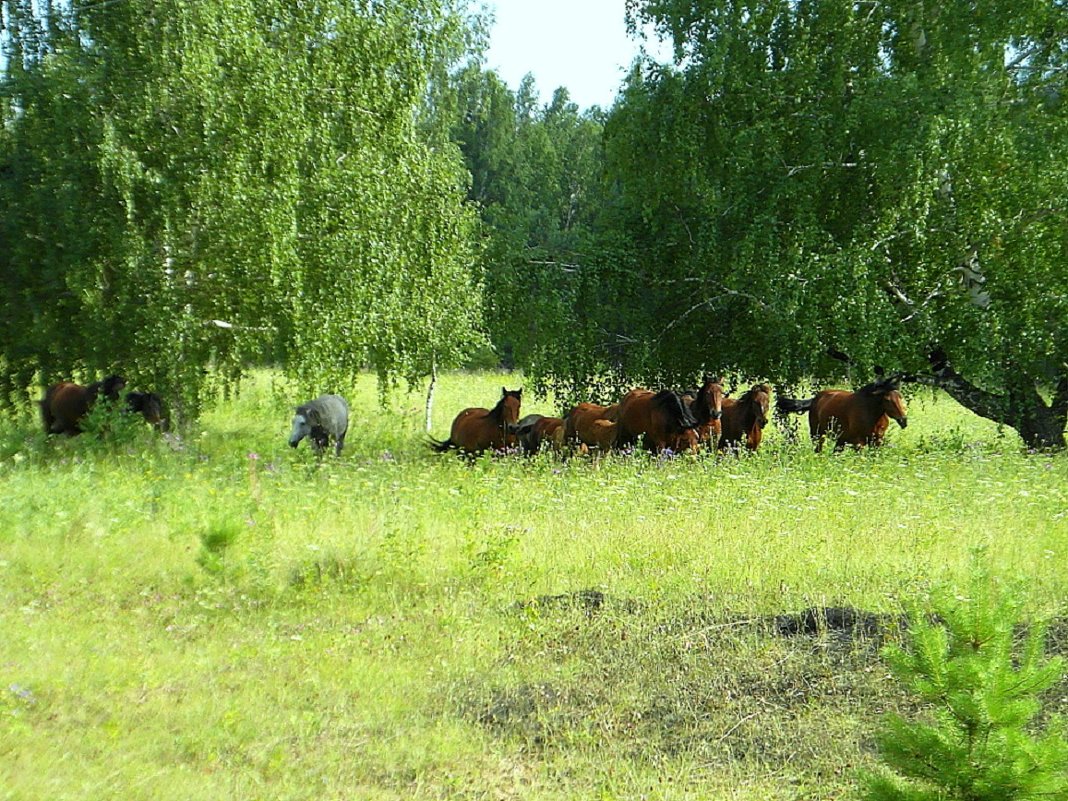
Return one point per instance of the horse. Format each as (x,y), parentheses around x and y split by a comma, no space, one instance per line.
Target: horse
(855,418)
(707,406)
(149,405)
(745,418)
(65,404)
(660,418)
(590,425)
(535,430)
(318,420)
(476,429)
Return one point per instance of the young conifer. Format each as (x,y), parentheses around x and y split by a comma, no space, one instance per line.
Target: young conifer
(978,740)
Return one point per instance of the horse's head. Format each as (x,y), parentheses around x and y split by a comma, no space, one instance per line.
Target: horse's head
(759,395)
(709,401)
(111,386)
(894,407)
(149,405)
(509,404)
(885,393)
(305,419)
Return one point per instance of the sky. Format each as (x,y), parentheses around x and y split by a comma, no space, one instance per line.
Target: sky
(580,44)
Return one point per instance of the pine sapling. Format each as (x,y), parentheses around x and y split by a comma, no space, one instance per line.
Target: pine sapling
(979,740)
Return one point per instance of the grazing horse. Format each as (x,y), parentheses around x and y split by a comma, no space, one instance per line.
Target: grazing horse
(854,418)
(318,420)
(745,418)
(592,426)
(535,430)
(476,429)
(661,418)
(707,407)
(149,405)
(66,403)
(547,429)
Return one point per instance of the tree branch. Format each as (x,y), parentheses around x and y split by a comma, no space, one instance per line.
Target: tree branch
(985,404)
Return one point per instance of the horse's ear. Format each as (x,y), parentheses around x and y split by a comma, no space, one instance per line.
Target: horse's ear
(504,391)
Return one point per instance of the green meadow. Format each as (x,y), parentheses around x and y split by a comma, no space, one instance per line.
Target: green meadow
(213,614)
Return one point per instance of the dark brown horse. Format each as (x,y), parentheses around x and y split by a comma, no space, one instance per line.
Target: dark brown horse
(592,426)
(149,405)
(476,429)
(65,404)
(744,418)
(707,407)
(854,418)
(661,419)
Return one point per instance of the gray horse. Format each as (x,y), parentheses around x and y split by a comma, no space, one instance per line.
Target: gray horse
(326,416)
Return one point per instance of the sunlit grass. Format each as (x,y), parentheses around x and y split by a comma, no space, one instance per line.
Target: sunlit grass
(218,615)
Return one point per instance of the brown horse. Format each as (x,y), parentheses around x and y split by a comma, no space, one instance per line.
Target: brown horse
(476,429)
(854,418)
(66,403)
(149,405)
(707,407)
(661,419)
(535,430)
(745,418)
(592,426)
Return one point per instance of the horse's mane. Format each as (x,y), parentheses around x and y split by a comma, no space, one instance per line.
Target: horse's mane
(670,404)
(750,394)
(880,387)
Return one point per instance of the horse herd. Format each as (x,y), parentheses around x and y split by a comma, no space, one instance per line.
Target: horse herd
(675,422)
(662,421)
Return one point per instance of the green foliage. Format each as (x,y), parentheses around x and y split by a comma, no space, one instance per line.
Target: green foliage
(536,177)
(874,178)
(218,183)
(112,425)
(215,540)
(984,693)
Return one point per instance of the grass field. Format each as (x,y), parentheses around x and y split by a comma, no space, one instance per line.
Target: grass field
(219,616)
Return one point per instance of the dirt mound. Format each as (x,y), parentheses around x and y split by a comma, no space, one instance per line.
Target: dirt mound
(841,621)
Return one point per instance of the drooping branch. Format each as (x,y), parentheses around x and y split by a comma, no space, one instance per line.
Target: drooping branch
(985,404)
(1021,407)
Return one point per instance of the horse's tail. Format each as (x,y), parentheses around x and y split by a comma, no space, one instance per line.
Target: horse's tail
(440,447)
(795,405)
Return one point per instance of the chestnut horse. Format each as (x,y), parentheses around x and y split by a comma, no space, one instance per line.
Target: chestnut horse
(592,426)
(66,403)
(661,418)
(476,429)
(854,418)
(745,418)
(707,407)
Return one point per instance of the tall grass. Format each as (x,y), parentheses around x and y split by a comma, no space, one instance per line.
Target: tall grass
(216,615)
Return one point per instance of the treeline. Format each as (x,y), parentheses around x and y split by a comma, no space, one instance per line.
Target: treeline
(203,183)
(345,185)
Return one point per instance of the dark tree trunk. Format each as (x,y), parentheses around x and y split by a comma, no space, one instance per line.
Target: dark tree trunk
(1040,424)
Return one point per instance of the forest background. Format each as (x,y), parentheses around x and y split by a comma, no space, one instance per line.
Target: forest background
(339,186)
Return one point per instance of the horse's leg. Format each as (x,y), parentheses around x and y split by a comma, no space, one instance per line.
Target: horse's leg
(339,443)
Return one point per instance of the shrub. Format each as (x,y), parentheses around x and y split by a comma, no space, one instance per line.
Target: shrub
(983,689)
